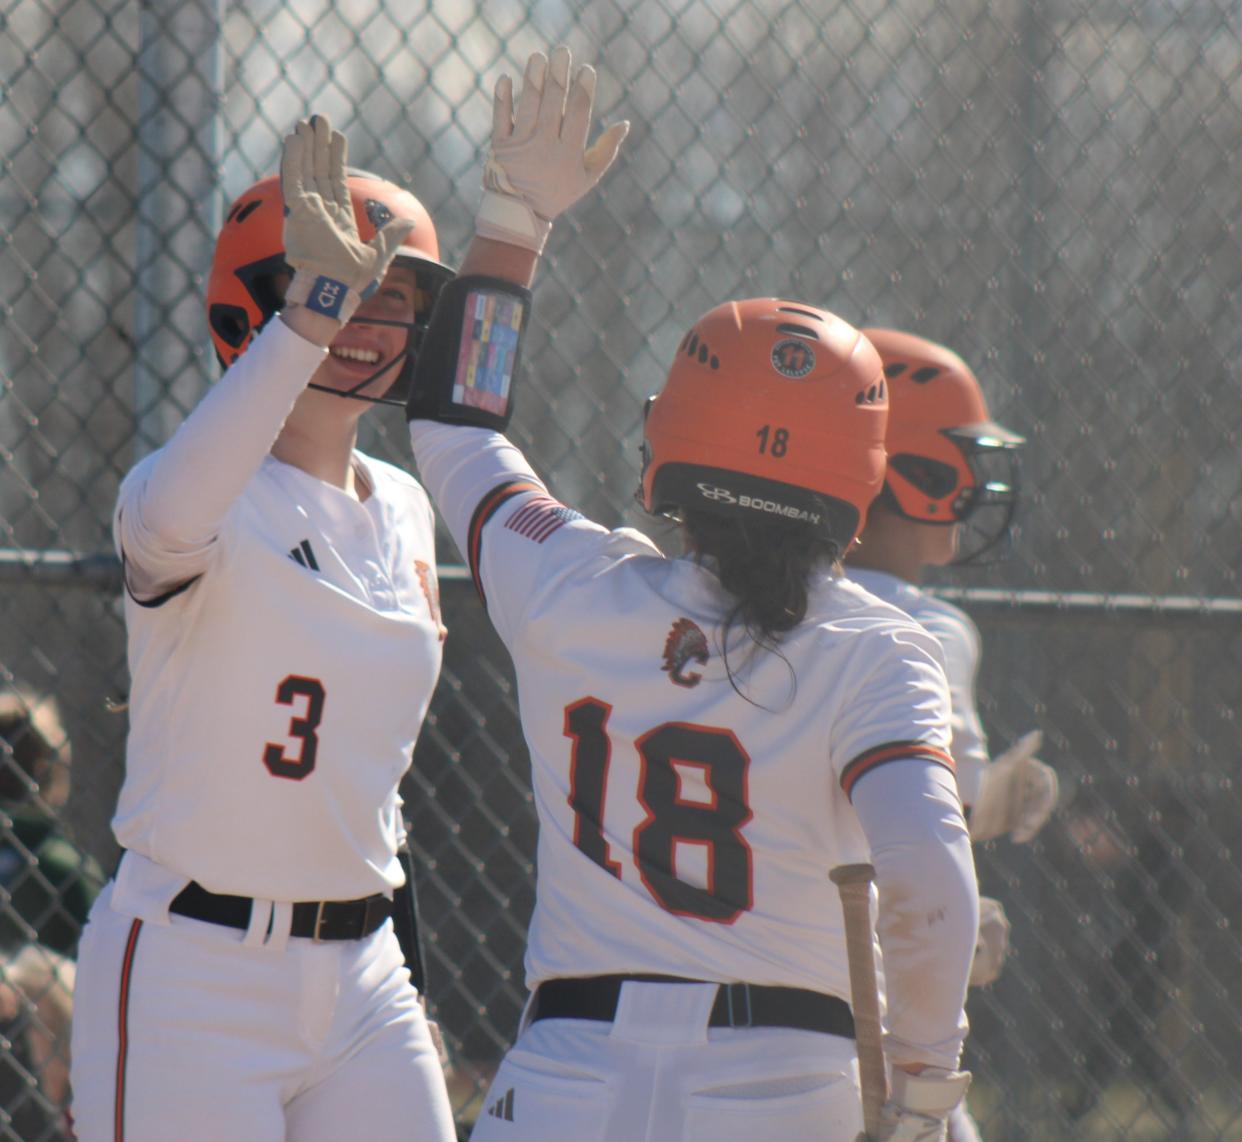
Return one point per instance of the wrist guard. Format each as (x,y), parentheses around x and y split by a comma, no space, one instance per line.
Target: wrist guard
(468,361)
(322,294)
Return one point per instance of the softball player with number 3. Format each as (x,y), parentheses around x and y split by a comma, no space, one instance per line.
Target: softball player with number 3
(709,735)
(240,978)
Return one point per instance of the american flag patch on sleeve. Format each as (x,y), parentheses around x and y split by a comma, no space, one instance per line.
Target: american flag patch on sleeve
(539,517)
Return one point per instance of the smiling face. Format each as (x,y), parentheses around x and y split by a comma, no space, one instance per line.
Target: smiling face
(370,350)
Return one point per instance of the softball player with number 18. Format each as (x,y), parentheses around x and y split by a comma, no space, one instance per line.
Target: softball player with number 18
(240,978)
(709,735)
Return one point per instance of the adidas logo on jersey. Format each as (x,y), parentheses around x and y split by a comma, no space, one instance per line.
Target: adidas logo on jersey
(502,1107)
(304,555)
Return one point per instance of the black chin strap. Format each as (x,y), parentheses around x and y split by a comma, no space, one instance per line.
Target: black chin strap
(398,362)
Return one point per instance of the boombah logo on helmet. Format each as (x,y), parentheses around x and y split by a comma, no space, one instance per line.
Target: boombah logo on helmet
(772,409)
(249,273)
(948,461)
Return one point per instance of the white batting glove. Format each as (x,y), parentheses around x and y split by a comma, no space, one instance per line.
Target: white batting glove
(919,1106)
(333,268)
(1017,793)
(991,944)
(539,164)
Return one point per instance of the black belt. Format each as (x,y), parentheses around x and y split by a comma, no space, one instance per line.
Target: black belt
(316,919)
(737,1004)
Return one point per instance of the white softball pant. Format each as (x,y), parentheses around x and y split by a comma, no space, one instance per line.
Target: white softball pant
(182,1031)
(659,1073)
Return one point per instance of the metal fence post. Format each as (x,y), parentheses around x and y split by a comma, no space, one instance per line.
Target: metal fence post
(177,210)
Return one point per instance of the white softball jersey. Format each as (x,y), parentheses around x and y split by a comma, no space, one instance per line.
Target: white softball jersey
(282,656)
(688,822)
(958,637)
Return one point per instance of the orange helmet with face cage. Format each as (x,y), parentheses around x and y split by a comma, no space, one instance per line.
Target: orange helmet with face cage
(249,273)
(947,459)
(772,409)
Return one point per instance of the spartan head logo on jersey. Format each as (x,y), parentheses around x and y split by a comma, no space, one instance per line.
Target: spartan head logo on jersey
(685,643)
(431,592)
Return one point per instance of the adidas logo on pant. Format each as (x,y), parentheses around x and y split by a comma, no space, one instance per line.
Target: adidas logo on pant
(502,1107)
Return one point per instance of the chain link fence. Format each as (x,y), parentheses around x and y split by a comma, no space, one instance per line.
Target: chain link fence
(1050,187)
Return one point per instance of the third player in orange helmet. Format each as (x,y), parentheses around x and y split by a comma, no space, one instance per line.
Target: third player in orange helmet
(950,491)
(949,495)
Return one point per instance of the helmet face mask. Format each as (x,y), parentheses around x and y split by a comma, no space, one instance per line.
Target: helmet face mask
(249,274)
(429,279)
(772,410)
(986,509)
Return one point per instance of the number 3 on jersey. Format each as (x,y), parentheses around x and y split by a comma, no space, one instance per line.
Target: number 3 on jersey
(303,728)
(666,754)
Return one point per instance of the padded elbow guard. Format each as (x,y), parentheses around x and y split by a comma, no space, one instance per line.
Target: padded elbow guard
(469,357)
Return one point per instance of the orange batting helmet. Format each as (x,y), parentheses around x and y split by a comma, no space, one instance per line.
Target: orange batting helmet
(948,461)
(772,408)
(249,273)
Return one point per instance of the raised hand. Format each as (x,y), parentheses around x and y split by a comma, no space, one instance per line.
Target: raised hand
(539,163)
(333,268)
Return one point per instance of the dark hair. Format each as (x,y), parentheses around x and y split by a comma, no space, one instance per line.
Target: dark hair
(766,566)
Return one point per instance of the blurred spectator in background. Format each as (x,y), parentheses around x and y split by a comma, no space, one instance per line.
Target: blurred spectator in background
(1138,837)
(47,886)
(36,1003)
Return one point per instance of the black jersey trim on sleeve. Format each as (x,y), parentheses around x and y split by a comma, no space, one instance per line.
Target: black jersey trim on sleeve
(489,505)
(879,755)
(158,600)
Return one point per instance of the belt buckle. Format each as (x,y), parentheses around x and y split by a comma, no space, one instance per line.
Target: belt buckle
(744,988)
(319,917)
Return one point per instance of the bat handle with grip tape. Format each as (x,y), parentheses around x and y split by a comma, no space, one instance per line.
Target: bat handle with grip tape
(853,882)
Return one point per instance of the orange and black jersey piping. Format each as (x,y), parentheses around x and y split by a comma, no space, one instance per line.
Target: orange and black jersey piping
(879,755)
